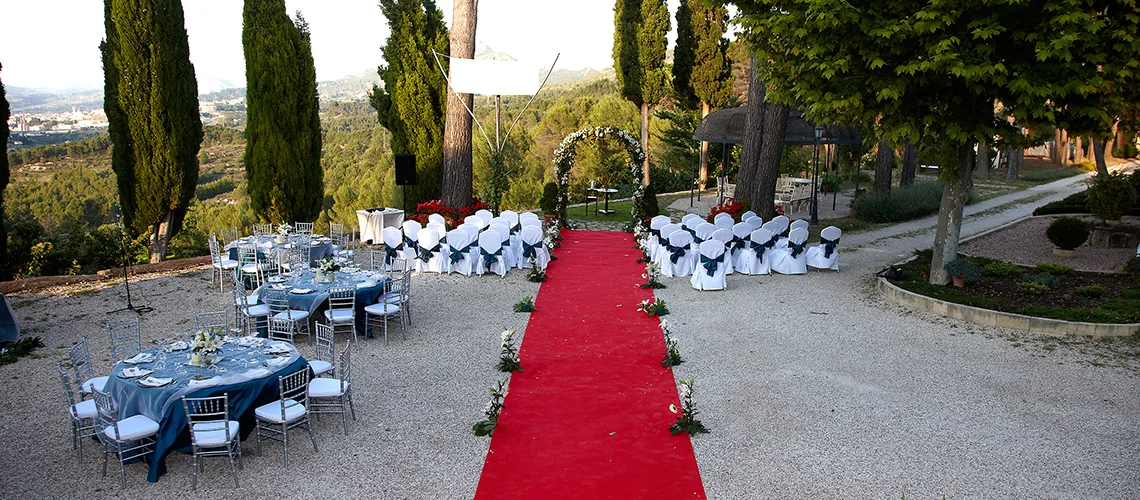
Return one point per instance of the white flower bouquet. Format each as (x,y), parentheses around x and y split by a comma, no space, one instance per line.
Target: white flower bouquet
(284,229)
(205,347)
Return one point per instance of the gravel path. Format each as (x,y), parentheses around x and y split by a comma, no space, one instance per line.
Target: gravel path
(1025,243)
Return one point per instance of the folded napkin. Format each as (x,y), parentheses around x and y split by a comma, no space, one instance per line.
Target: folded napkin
(209,382)
(155,381)
(142,357)
(276,361)
(302,290)
(365,284)
(258,373)
(181,345)
(315,243)
(279,287)
(135,371)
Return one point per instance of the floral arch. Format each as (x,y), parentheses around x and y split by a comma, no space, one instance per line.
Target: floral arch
(564,159)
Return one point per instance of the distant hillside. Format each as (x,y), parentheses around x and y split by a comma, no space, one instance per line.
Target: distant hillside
(350,88)
(224,94)
(564,76)
(25,100)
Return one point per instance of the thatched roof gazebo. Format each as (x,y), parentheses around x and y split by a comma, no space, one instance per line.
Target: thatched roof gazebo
(727,126)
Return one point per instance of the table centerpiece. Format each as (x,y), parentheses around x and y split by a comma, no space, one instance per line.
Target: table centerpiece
(283,232)
(326,269)
(206,348)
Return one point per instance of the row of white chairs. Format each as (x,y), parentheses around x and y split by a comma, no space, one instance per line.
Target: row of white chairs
(707,252)
(477,246)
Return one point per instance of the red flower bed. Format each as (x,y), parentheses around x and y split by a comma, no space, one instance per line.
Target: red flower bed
(453,216)
(731,207)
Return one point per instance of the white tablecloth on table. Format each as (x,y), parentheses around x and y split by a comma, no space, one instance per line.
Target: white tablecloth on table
(373,220)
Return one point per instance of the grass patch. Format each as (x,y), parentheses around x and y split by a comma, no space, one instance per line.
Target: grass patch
(1051,175)
(623,210)
(849,225)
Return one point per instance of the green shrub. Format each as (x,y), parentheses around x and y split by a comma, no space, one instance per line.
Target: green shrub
(900,205)
(1052,175)
(1132,267)
(968,271)
(1073,204)
(1050,268)
(549,200)
(1031,287)
(1067,233)
(829,182)
(1126,150)
(649,206)
(1110,196)
(1000,269)
(1092,291)
(1043,278)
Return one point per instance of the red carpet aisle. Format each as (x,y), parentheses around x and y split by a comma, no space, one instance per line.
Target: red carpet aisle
(589,417)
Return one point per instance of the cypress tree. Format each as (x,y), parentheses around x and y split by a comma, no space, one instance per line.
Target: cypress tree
(684,55)
(701,70)
(5,113)
(411,104)
(151,101)
(640,27)
(283,127)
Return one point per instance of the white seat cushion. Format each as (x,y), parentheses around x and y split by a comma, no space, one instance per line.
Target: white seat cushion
(325,388)
(85,409)
(339,315)
(131,428)
(296,314)
(382,309)
(320,367)
(226,264)
(258,310)
(97,382)
(213,434)
(249,268)
(272,411)
(250,300)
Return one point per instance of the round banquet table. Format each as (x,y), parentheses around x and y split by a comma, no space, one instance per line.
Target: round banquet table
(308,294)
(268,250)
(245,372)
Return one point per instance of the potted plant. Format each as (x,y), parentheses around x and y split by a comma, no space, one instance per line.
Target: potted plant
(549,202)
(963,273)
(1067,233)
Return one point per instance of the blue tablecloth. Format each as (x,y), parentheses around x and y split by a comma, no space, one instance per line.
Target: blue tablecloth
(164,404)
(9,330)
(317,300)
(268,250)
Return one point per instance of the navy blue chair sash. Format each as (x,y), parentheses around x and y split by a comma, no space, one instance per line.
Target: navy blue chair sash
(711,263)
(828,246)
(796,249)
(488,257)
(392,252)
(675,253)
(529,250)
(427,253)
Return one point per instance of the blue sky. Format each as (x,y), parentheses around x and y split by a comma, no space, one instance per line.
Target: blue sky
(53,44)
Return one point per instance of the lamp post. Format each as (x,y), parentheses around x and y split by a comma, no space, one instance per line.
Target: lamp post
(815,177)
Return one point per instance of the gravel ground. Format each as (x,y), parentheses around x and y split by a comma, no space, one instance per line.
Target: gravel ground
(1025,243)
(824,390)
(415,399)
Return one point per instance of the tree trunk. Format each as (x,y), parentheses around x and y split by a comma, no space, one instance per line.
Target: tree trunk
(705,150)
(909,165)
(983,168)
(884,161)
(763,195)
(1062,149)
(1016,157)
(645,139)
(753,137)
(456,190)
(1098,152)
(955,192)
(160,239)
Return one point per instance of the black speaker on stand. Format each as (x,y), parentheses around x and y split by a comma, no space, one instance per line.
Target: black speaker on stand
(405,175)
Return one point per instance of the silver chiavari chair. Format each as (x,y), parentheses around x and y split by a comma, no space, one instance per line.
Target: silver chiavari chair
(251,267)
(333,395)
(326,351)
(130,438)
(212,319)
(80,358)
(275,419)
(220,264)
(303,227)
(262,229)
(247,311)
(212,433)
(126,339)
(376,262)
(82,415)
(281,329)
(384,309)
(342,309)
(228,235)
(278,302)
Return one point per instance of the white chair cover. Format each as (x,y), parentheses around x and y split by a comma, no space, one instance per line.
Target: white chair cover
(394,247)
(791,259)
(485,214)
(436,218)
(512,219)
(747,215)
(756,258)
(430,247)
(531,222)
(755,222)
(725,222)
(476,220)
(679,257)
(737,245)
(724,236)
(459,249)
(711,269)
(411,240)
(688,218)
(781,222)
(498,220)
(508,253)
(490,258)
(655,225)
(704,231)
(798,224)
(533,244)
(528,215)
(440,229)
(661,254)
(825,255)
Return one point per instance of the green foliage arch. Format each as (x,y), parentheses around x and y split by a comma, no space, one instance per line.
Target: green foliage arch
(564,160)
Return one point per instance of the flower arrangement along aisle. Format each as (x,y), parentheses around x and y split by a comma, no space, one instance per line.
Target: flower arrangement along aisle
(653,308)
(327,267)
(491,410)
(206,348)
(525,306)
(672,352)
(536,275)
(509,356)
(687,422)
(653,275)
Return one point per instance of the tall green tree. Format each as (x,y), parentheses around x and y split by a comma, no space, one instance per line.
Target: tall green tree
(412,102)
(283,127)
(640,27)
(702,72)
(151,101)
(934,70)
(5,113)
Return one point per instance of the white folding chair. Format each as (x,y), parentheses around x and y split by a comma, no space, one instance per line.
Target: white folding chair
(791,259)
(438,219)
(747,215)
(512,219)
(459,251)
(655,225)
(826,254)
(679,260)
(661,254)
(533,246)
(485,214)
(432,255)
(740,233)
(755,222)
(491,254)
(756,257)
(702,232)
(476,220)
(724,236)
(530,222)
(505,234)
(711,268)
(439,228)
(411,230)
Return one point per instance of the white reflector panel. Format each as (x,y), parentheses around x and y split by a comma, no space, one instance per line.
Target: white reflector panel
(473,76)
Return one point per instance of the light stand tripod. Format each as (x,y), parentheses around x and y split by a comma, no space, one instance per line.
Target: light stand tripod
(127,273)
